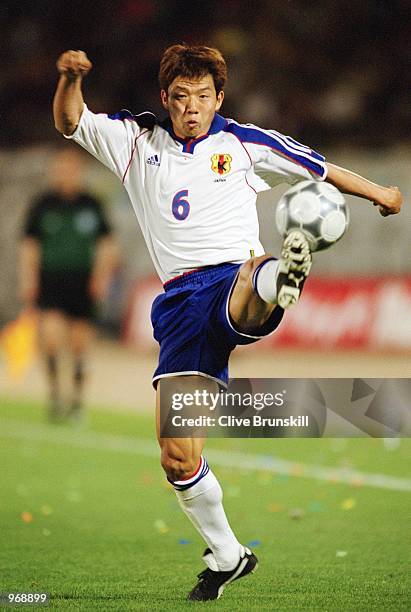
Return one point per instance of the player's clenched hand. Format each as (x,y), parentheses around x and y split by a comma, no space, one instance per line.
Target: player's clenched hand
(74,64)
(390,201)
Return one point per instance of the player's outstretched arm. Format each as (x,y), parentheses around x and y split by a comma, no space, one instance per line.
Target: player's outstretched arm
(388,199)
(68,99)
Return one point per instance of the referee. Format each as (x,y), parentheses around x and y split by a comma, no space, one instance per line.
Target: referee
(67,259)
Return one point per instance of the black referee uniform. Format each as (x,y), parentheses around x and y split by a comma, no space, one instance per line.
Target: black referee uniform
(68,231)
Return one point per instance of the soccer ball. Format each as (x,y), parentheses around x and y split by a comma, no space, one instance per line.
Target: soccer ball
(317,209)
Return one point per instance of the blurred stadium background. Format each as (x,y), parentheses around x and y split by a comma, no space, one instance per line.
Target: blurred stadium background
(83,514)
(331,74)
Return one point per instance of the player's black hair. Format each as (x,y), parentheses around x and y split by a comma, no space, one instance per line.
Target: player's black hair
(192,62)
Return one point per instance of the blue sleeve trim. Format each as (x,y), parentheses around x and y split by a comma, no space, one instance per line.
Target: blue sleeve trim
(284,145)
(144,120)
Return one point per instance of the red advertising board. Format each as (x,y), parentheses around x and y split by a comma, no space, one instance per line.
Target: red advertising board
(333,313)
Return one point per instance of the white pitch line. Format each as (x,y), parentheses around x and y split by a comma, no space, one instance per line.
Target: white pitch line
(229,459)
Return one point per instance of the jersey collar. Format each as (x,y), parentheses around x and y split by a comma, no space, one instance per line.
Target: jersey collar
(217,125)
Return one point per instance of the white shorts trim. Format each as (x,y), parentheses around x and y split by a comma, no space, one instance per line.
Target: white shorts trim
(190,373)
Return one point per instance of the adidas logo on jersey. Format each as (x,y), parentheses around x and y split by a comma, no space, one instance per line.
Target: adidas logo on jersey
(153,160)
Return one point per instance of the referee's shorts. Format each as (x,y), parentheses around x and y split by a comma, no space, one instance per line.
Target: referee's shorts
(68,292)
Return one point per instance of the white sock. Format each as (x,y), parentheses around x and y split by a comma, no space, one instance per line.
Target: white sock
(265,280)
(202,503)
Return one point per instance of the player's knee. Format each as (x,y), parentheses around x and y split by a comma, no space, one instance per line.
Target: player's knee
(246,272)
(176,466)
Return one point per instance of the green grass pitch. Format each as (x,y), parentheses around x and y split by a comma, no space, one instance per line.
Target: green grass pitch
(88,517)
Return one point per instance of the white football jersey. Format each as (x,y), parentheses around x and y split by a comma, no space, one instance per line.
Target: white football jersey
(195,199)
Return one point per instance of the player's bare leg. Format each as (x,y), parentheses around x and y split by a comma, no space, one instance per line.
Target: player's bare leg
(265,282)
(53,329)
(180,457)
(81,337)
(197,489)
(247,310)
(200,497)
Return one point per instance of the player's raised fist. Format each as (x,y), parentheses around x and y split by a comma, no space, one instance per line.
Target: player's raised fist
(74,64)
(391,201)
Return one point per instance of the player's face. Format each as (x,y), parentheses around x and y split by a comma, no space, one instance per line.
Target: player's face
(192,105)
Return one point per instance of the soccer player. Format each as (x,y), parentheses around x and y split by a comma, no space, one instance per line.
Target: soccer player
(67,258)
(193,180)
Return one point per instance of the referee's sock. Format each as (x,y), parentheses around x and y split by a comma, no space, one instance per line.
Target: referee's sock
(52,372)
(79,375)
(200,496)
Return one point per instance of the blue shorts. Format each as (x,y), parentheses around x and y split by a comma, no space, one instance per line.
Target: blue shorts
(192,325)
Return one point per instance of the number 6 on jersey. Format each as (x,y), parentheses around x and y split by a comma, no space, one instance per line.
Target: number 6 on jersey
(180,207)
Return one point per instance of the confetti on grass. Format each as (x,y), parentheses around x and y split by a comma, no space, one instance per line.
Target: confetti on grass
(253,543)
(341,553)
(357,482)
(161,526)
(275,508)
(297,470)
(296,513)
(27,517)
(184,541)
(348,504)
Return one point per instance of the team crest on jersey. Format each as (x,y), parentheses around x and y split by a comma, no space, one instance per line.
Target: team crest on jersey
(221,163)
